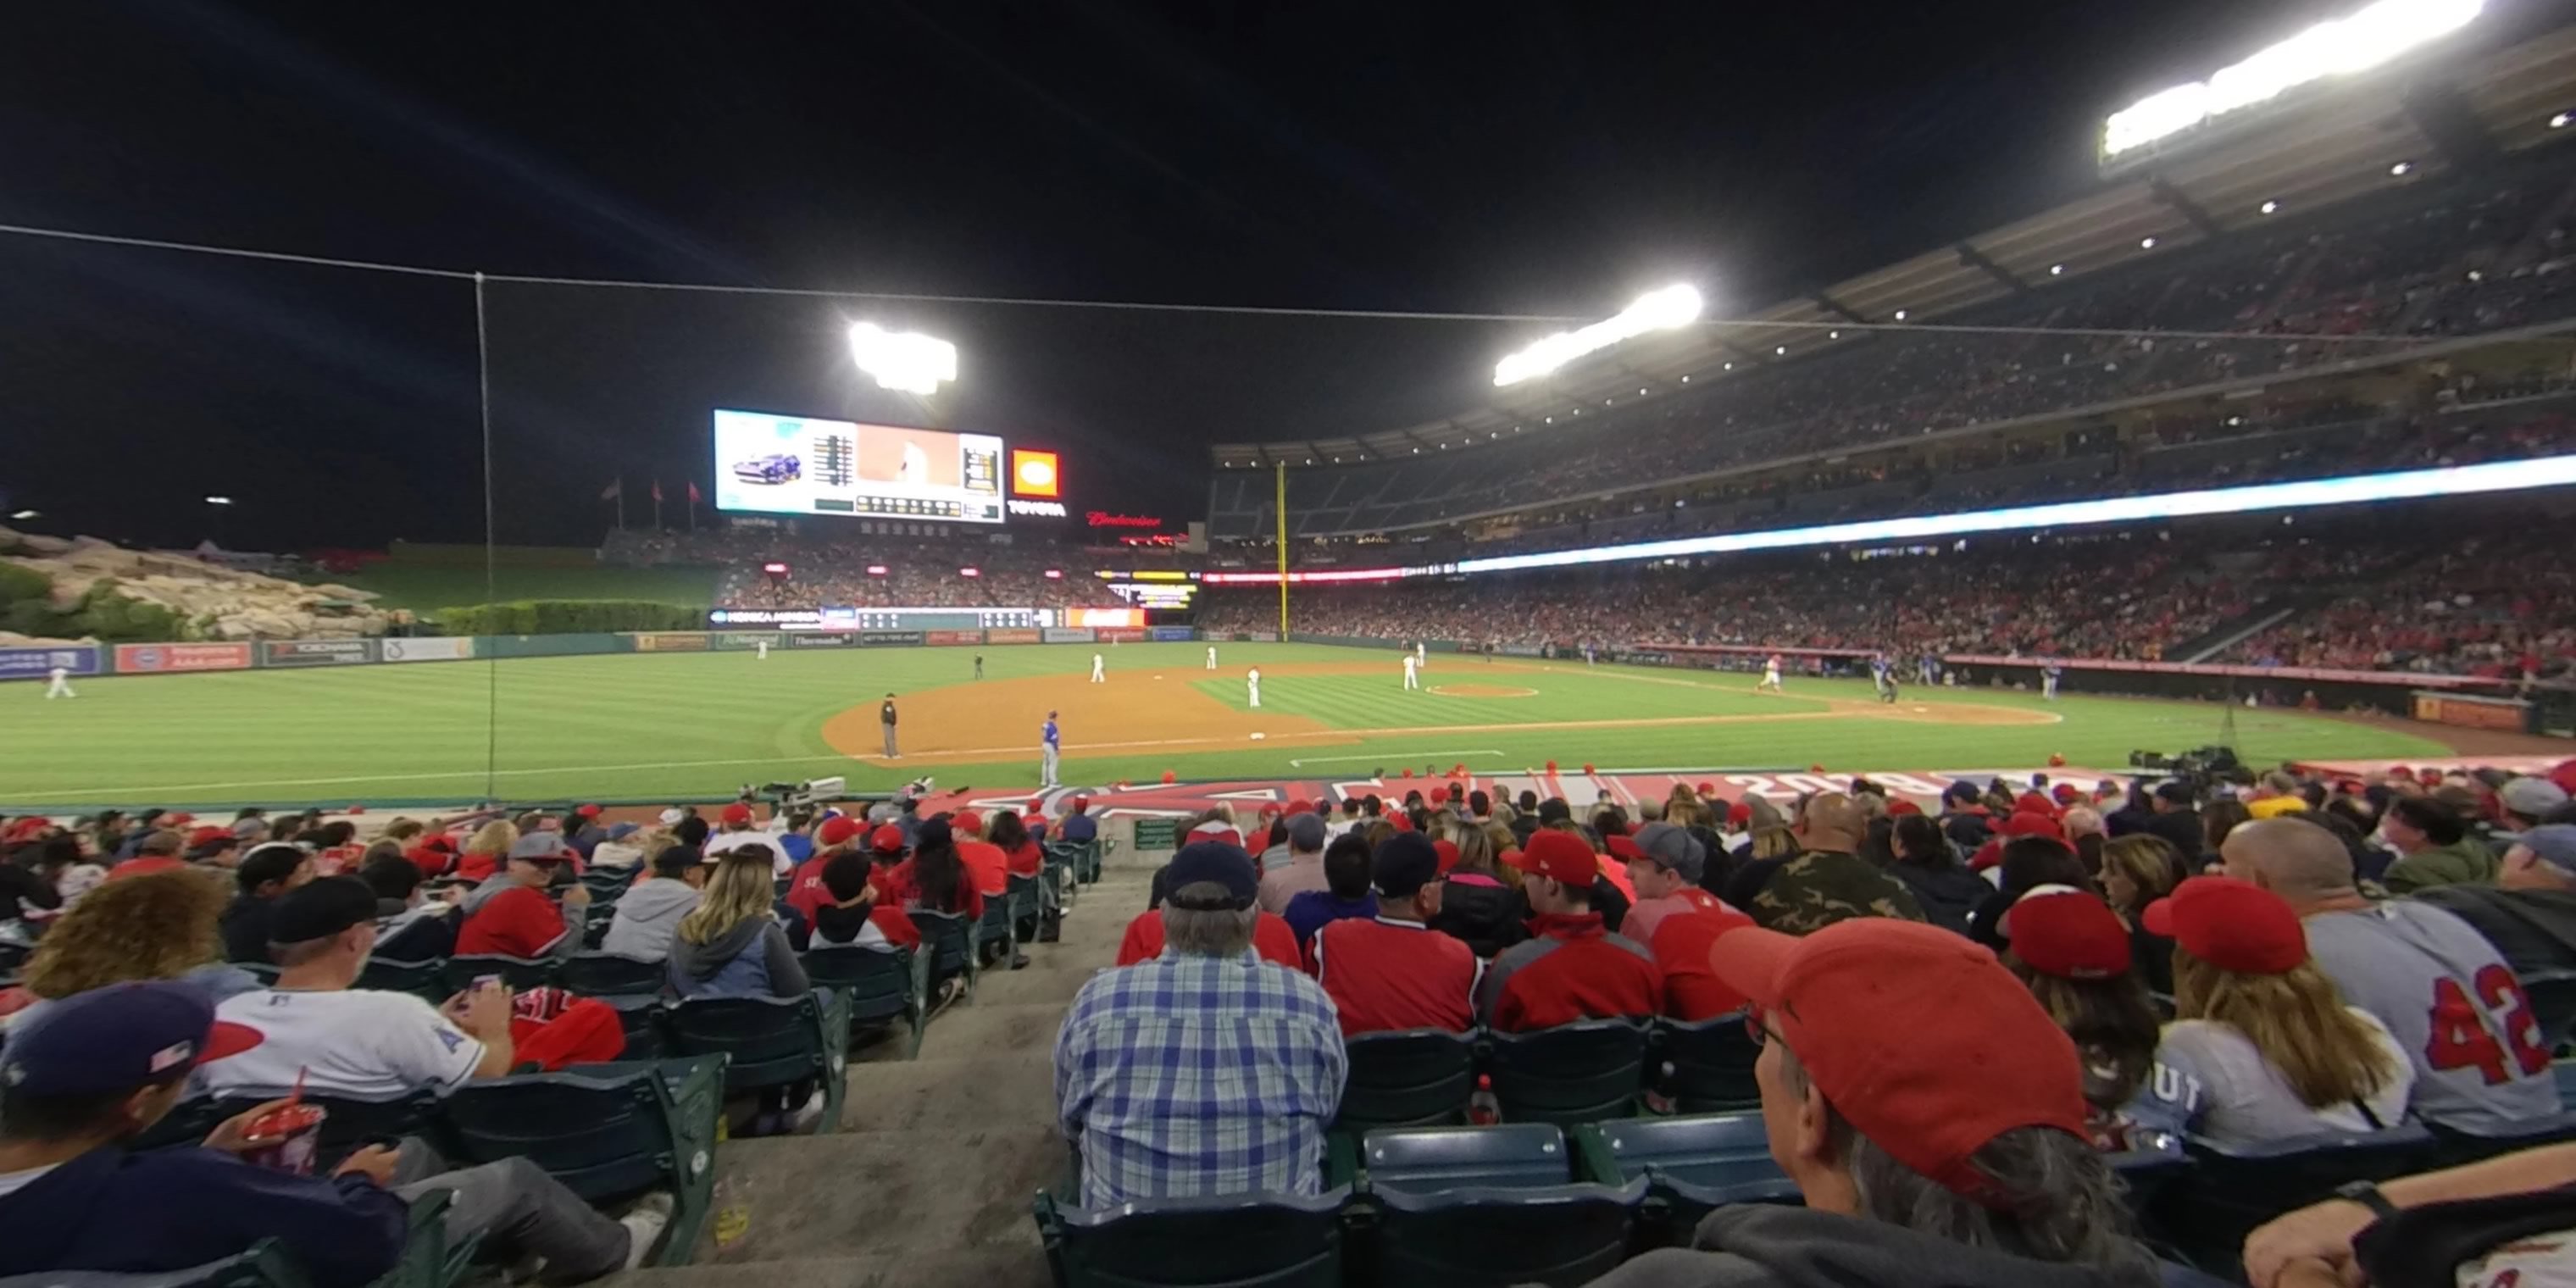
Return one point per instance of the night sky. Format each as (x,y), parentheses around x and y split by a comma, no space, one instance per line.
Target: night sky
(1552,159)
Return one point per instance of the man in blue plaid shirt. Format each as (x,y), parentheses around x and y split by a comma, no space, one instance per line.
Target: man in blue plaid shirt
(1206,1070)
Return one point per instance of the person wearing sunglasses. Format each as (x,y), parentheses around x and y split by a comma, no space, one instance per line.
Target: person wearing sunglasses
(1930,1114)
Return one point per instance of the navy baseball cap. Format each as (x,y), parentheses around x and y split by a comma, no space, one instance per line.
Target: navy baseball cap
(1217,863)
(1403,864)
(120,1038)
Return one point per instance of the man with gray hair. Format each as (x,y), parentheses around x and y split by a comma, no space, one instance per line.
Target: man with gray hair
(1205,1070)
(1930,1113)
(2481,1062)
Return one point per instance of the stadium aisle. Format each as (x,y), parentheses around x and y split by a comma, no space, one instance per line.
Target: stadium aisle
(927,1183)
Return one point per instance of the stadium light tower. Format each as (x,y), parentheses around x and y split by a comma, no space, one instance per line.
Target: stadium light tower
(1673,306)
(906,361)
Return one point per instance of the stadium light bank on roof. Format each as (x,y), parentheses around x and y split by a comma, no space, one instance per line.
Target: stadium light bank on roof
(1654,311)
(2370,37)
(2454,480)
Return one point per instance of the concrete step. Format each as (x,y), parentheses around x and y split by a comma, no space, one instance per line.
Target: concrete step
(991,1027)
(936,1094)
(1050,976)
(989,1267)
(861,1193)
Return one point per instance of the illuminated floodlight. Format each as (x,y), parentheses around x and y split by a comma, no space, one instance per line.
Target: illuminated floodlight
(1661,310)
(23,515)
(2269,208)
(219,500)
(2493,476)
(2146,243)
(2369,37)
(1900,315)
(970,572)
(2057,270)
(2559,122)
(1780,349)
(2402,168)
(904,361)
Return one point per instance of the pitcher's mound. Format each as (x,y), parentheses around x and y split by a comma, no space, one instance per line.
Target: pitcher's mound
(1482,691)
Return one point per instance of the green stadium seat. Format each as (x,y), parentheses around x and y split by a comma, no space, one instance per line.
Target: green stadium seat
(2553,1000)
(1559,1235)
(1063,869)
(1574,1073)
(948,939)
(1023,896)
(1241,1241)
(520,973)
(597,974)
(992,931)
(422,979)
(609,1132)
(2153,1161)
(882,987)
(1504,1156)
(770,1042)
(608,886)
(644,1017)
(2231,1190)
(349,1124)
(2565,1071)
(1417,1078)
(1693,1164)
(1706,1066)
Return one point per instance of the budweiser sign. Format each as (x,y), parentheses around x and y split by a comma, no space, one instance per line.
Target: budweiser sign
(1104,519)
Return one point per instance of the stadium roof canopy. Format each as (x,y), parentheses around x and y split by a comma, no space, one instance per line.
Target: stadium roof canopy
(2412,123)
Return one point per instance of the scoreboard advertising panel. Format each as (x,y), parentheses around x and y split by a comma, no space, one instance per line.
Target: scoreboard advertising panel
(772,464)
(1037,484)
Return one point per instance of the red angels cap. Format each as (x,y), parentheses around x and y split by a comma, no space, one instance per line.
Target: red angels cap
(838,829)
(1558,856)
(2065,794)
(1919,1038)
(1301,807)
(2231,924)
(736,813)
(1448,852)
(2071,935)
(1216,829)
(180,819)
(588,811)
(2027,823)
(967,820)
(209,836)
(887,839)
(1739,813)
(1622,847)
(1900,807)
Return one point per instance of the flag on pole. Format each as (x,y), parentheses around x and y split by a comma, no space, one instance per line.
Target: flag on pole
(694,498)
(693,505)
(615,490)
(657,505)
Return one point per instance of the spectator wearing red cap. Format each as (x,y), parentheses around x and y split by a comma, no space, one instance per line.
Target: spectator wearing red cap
(1828,881)
(1928,1111)
(839,834)
(1571,968)
(513,917)
(853,912)
(2073,955)
(1078,826)
(435,855)
(738,831)
(2029,863)
(1392,972)
(2262,1046)
(985,862)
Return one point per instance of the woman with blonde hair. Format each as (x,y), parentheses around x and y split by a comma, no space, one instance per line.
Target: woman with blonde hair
(1478,906)
(2262,1047)
(160,925)
(731,944)
(487,851)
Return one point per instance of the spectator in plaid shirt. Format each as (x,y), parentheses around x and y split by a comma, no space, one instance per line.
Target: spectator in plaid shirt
(1206,1070)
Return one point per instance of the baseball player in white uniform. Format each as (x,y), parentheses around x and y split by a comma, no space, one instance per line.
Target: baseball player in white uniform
(1770,674)
(1211,657)
(1098,676)
(1252,685)
(1411,680)
(59,684)
(762,647)
(1422,651)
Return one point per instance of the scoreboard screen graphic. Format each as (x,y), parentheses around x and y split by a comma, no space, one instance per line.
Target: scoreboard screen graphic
(773,464)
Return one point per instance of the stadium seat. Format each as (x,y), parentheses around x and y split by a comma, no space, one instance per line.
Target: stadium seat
(1505,1156)
(609,1132)
(2468,1147)
(949,941)
(597,974)
(422,979)
(1693,1164)
(994,928)
(2234,1190)
(608,885)
(2553,1000)
(264,972)
(2153,1160)
(644,1017)
(1467,1238)
(1706,1066)
(1417,1078)
(1024,909)
(1574,1073)
(2565,1070)
(426,1262)
(881,987)
(770,1042)
(1242,1241)
(1063,869)
(186,1124)
(348,1124)
(520,973)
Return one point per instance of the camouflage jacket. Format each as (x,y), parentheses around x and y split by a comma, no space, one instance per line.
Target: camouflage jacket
(1821,887)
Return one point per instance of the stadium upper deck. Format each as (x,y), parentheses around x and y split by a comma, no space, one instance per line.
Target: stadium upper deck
(2439,215)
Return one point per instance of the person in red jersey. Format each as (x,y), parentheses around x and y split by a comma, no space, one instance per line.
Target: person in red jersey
(1571,969)
(1393,971)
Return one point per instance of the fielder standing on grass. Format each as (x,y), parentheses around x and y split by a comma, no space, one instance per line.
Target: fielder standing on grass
(1770,674)
(59,684)
(885,718)
(2049,670)
(1050,749)
(1252,682)
(761,646)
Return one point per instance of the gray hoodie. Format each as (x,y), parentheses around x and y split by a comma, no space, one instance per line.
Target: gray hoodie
(648,916)
(754,959)
(1757,1245)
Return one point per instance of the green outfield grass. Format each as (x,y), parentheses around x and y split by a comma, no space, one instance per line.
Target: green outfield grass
(661,726)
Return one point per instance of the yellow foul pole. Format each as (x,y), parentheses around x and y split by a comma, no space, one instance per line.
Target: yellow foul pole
(1282,467)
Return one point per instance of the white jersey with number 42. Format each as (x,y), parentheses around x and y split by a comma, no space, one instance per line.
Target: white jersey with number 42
(2481,1061)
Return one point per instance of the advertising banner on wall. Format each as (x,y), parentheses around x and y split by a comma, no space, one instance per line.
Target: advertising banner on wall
(889,639)
(1182,634)
(457,649)
(316,652)
(1258,637)
(835,640)
(670,642)
(1013,635)
(744,640)
(149,659)
(37,663)
(1067,635)
(952,637)
(1121,635)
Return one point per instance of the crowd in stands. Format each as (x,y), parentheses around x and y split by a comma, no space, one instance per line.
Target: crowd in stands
(1944,1072)
(167,972)
(2451,257)
(920,572)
